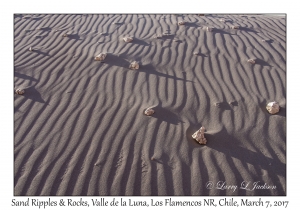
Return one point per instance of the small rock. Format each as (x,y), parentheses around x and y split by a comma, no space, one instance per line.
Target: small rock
(149,111)
(128,39)
(158,36)
(218,104)
(20,91)
(273,107)
(65,35)
(196,53)
(252,61)
(100,57)
(209,29)
(134,65)
(235,27)
(181,23)
(199,136)
(30,49)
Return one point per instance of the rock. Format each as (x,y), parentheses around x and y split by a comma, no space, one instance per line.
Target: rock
(20,91)
(199,136)
(128,39)
(149,111)
(134,65)
(222,20)
(196,53)
(234,27)
(65,35)
(181,23)
(218,104)
(209,29)
(273,107)
(100,57)
(158,36)
(30,49)
(252,61)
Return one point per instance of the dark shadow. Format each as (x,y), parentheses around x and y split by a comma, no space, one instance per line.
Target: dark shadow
(261,62)
(73,36)
(44,29)
(270,41)
(192,25)
(233,103)
(139,42)
(247,29)
(39,36)
(24,76)
(228,21)
(163,114)
(149,69)
(114,60)
(177,41)
(282,112)
(118,23)
(40,52)
(166,36)
(32,94)
(223,105)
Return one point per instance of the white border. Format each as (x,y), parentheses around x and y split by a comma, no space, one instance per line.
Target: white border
(154,6)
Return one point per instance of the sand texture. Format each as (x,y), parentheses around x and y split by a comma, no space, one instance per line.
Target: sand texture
(80,127)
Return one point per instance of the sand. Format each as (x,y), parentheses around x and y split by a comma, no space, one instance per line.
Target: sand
(79,128)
